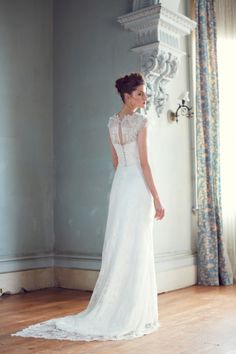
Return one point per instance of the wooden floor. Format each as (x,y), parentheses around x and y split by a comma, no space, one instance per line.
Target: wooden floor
(195,320)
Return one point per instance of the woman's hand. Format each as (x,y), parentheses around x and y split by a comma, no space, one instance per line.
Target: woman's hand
(160,211)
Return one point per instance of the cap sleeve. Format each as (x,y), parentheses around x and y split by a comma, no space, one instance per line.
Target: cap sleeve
(109,122)
(143,121)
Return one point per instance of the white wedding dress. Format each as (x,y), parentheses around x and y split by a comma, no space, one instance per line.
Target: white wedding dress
(124,302)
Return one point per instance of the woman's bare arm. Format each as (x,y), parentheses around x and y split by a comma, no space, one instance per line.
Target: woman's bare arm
(113,153)
(143,155)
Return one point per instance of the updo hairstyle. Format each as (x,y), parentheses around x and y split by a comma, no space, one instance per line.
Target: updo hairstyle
(129,83)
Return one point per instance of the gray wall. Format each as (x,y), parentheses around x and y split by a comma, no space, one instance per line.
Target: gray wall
(59,62)
(26,131)
(90,51)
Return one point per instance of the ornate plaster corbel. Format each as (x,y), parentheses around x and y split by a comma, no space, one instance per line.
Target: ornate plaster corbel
(158,33)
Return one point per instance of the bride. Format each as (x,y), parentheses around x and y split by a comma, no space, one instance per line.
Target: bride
(124,302)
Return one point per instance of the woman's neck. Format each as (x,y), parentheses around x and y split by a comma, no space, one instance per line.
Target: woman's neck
(126,111)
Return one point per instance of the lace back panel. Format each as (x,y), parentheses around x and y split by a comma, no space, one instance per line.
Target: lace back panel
(125,130)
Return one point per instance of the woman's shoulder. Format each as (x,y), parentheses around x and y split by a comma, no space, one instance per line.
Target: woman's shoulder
(142,120)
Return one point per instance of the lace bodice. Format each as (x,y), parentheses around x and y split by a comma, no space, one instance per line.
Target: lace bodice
(124,133)
(129,126)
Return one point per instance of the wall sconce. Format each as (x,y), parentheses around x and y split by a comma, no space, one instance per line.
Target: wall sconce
(183,110)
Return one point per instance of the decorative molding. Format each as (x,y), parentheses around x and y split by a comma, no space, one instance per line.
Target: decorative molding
(159,18)
(77,261)
(16,263)
(158,33)
(159,67)
(175,260)
(163,261)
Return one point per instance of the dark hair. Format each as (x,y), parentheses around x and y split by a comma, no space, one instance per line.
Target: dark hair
(129,83)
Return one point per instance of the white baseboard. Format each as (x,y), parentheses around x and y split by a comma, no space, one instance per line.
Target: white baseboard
(69,278)
(173,271)
(176,278)
(19,263)
(15,282)
(166,281)
(83,279)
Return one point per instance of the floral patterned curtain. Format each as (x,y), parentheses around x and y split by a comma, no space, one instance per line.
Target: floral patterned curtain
(226,40)
(213,263)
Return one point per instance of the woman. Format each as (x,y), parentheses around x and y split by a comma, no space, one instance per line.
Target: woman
(123,304)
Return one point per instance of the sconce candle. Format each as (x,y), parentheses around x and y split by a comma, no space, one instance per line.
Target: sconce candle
(183,110)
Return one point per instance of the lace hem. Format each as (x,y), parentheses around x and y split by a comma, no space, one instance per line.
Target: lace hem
(47,330)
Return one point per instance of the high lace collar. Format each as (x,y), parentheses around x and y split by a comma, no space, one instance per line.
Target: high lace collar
(126,116)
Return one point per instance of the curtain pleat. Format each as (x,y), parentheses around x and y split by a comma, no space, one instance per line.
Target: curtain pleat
(226,45)
(213,263)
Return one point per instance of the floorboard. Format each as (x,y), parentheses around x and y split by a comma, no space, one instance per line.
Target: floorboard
(194,320)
